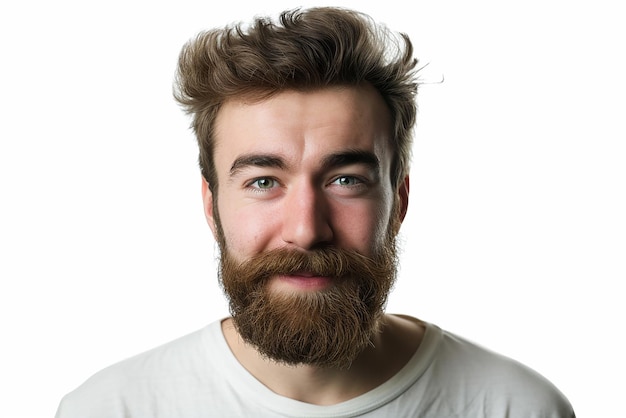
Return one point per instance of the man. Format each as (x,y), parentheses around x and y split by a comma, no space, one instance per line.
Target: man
(304,129)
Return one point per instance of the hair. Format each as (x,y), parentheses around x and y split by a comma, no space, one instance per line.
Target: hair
(306,49)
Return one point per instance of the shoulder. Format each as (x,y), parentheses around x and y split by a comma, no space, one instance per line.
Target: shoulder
(495,381)
(109,392)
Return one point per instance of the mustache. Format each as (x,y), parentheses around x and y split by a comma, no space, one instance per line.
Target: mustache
(329,261)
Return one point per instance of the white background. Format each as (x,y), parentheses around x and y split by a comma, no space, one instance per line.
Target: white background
(515,236)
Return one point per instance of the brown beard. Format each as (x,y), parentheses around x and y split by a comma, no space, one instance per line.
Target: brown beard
(326,328)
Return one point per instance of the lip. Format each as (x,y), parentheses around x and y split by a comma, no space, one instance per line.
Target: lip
(305,281)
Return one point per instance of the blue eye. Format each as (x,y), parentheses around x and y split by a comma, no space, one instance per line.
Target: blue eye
(347,181)
(263,183)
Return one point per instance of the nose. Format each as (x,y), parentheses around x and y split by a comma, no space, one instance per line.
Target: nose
(306,222)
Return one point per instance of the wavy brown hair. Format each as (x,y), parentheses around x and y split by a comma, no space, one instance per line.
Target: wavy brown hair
(304,49)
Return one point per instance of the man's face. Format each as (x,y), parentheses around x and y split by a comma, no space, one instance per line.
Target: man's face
(306,174)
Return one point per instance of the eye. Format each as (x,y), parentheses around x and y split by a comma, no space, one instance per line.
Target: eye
(346,181)
(263,183)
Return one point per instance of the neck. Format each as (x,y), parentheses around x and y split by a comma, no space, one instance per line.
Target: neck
(390,351)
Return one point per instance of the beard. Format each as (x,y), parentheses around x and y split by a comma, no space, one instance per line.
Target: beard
(326,328)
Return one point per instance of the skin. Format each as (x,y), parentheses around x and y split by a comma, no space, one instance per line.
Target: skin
(302,170)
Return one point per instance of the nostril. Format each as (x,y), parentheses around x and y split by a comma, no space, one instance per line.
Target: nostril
(306,228)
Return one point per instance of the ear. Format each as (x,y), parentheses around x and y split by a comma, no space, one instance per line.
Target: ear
(403,195)
(207,200)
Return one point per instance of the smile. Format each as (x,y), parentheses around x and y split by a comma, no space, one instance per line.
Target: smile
(303,281)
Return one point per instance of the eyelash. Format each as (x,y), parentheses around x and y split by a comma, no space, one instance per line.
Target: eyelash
(356,183)
(251,184)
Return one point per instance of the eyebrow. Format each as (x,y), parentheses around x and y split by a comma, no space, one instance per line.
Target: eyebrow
(350,157)
(336,160)
(256,160)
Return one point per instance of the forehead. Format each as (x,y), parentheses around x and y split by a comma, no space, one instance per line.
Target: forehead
(301,125)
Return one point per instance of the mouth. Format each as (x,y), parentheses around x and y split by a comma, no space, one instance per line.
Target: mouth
(302,281)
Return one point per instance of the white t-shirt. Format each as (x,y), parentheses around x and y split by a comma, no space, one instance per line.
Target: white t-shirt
(198,376)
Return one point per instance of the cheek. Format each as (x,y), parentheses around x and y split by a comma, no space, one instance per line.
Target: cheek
(363,227)
(247,231)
